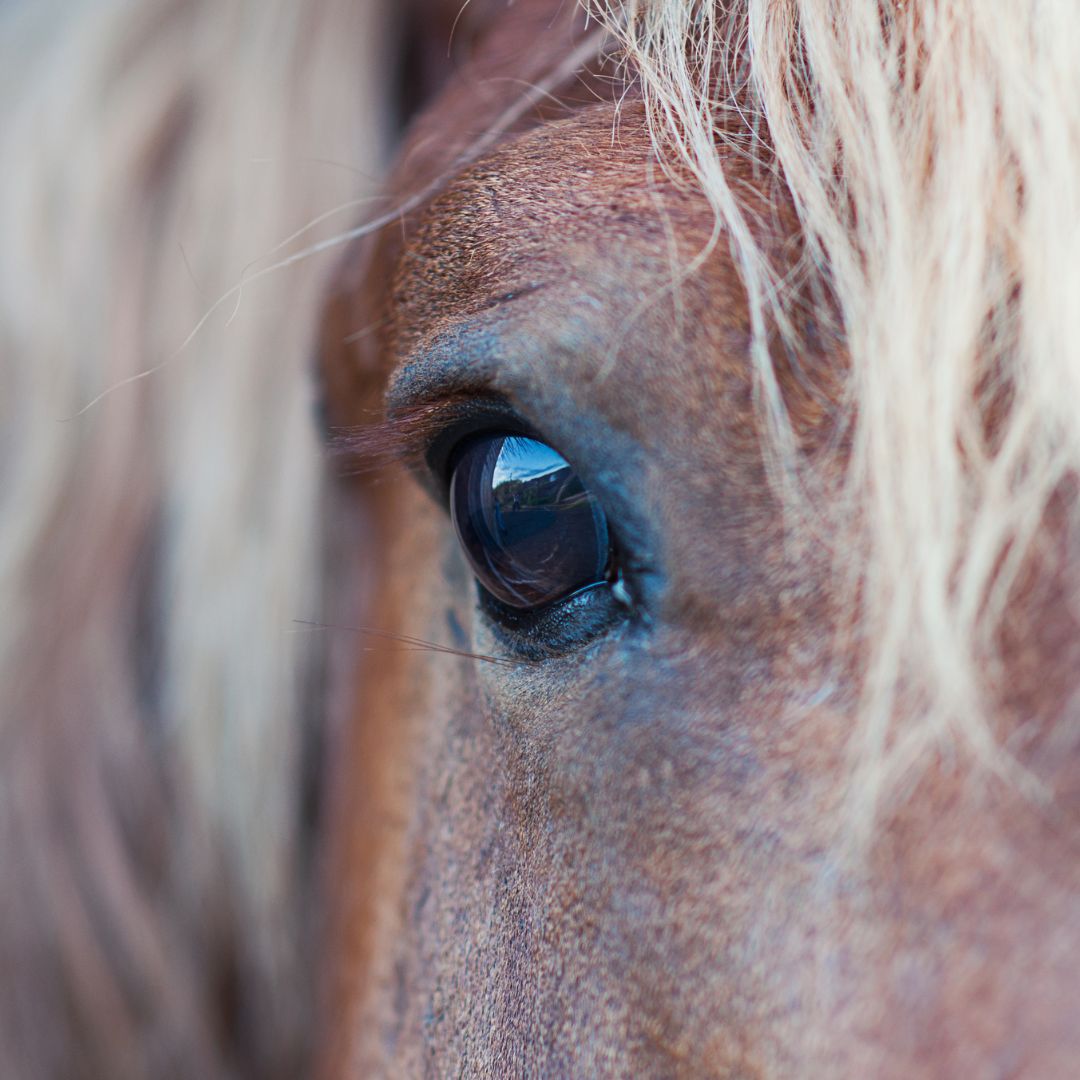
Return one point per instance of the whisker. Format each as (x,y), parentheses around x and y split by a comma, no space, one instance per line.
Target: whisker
(415,644)
(454,26)
(367,331)
(313,223)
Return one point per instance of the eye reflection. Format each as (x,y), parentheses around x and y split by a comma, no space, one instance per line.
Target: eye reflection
(530,529)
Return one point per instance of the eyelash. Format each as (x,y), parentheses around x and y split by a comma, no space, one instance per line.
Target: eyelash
(429,440)
(422,437)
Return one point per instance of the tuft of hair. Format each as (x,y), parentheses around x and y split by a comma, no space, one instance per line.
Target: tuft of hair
(932,149)
(156,703)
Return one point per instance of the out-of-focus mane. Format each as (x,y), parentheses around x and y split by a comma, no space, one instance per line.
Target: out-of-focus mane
(157,701)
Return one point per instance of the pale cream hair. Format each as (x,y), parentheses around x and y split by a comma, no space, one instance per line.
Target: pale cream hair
(156,547)
(156,697)
(932,149)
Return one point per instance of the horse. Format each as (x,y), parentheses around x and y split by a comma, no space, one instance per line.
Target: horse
(706,803)
(699,644)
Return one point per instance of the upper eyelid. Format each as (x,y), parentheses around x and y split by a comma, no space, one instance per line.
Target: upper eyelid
(473,365)
(415,423)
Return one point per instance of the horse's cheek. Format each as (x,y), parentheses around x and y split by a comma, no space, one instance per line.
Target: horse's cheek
(590,836)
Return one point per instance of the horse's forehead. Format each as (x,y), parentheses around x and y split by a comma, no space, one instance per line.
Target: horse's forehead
(524,204)
(572,228)
(593,175)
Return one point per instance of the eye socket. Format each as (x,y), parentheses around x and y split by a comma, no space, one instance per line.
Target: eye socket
(531,530)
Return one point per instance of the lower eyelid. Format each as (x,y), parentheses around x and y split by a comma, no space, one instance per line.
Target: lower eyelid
(560,629)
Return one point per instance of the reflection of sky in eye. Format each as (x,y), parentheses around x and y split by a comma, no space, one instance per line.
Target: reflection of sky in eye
(525,459)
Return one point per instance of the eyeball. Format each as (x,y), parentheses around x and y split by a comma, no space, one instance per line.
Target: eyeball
(530,529)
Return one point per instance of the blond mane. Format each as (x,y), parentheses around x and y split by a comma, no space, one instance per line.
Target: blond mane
(932,150)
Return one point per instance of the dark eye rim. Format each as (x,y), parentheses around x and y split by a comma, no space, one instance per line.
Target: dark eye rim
(510,613)
(561,626)
(571,622)
(636,577)
(557,629)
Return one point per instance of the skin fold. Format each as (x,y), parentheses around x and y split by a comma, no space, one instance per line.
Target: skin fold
(632,855)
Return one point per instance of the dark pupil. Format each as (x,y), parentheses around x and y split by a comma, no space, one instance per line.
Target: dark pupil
(530,530)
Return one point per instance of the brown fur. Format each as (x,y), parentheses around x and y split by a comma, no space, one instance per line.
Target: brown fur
(633,860)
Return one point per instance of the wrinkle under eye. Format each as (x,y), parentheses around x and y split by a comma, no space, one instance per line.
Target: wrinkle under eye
(530,529)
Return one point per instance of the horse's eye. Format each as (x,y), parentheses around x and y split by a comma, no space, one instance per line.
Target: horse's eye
(530,529)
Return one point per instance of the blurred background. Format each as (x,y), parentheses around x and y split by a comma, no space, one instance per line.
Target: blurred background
(161,513)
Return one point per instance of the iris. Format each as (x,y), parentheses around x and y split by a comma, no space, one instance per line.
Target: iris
(531,530)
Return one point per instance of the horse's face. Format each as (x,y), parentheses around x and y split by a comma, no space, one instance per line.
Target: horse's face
(623,852)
